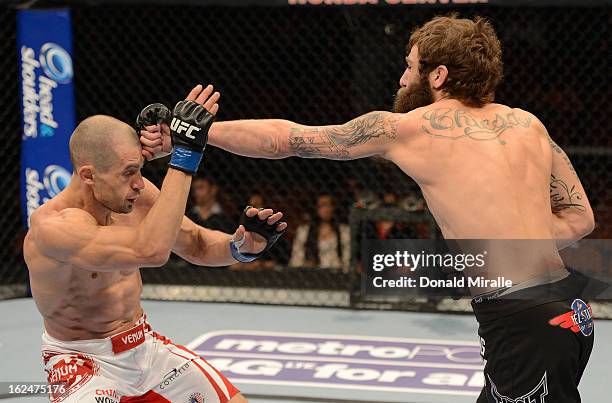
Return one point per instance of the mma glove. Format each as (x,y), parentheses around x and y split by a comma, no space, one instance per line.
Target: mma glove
(258,226)
(151,115)
(189,132)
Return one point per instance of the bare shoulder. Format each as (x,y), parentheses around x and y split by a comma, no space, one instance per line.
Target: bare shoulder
(412,123)
(533,119)
(57,232)
(397,129)
(49,226)
(372,124)
(539,127)
(406,120)
(44,218)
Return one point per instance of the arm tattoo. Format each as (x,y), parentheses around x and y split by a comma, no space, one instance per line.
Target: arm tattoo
(440,122)
(335,142)
(563,197)
(559,151)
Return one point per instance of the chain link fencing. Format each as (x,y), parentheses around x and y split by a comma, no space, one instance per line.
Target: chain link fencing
(13,275)
(313,66)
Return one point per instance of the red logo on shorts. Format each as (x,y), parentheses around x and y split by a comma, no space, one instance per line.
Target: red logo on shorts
(578,320)
(72,372)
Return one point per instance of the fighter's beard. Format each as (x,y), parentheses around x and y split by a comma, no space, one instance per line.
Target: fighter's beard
(414,96)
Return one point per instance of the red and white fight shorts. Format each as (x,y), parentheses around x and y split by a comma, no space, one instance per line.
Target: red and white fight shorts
(137,365)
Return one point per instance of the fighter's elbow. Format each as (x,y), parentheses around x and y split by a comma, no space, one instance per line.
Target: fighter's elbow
(276,145)
(160,259)
(583,225)
(588,224)
(270,146)
(155,256)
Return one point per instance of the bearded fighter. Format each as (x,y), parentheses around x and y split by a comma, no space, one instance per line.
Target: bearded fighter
(487,171)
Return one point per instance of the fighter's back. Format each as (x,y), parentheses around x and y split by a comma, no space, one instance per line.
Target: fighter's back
(484,172)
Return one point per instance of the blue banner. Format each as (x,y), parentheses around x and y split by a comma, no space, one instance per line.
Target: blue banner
(44,45)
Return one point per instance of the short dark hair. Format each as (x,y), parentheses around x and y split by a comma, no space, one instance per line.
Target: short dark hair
(94,139)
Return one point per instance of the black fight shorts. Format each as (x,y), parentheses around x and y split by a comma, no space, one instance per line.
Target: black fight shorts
(536,343)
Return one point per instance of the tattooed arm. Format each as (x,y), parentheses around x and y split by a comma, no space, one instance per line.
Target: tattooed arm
(369,134)
(572,214)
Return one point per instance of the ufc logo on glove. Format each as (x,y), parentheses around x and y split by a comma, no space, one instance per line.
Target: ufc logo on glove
(180,126)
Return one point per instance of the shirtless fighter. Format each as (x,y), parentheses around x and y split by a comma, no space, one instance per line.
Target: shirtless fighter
(84,250)
(487,171)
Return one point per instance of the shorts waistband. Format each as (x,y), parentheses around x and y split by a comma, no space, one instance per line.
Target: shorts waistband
(495,307)
(114,344)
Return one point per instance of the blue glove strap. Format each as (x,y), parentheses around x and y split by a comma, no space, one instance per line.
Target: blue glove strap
(185,159)
(239,256)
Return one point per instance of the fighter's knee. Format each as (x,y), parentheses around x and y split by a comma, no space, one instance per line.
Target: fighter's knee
(238,399)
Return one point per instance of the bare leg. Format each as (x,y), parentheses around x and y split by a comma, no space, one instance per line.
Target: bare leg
(238,399)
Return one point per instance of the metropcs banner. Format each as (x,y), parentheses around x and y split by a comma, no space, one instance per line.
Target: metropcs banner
(448,367)
(44,45)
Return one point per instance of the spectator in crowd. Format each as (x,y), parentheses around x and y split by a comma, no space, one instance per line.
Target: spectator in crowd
(354,194)
(256,200)
(206,210)
(389,229)
(324,242)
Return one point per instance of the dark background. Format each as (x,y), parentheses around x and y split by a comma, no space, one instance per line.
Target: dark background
(314,66)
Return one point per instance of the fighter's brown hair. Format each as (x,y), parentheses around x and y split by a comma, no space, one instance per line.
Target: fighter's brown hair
(470,51)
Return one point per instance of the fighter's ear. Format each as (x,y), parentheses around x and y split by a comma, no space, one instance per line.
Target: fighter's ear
(438,76)
(86,174)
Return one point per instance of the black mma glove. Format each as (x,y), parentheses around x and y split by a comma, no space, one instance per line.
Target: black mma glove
(258,226)
(153,114)
(189,131)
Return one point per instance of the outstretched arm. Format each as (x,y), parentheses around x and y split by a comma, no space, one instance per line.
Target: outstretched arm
(369,134)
